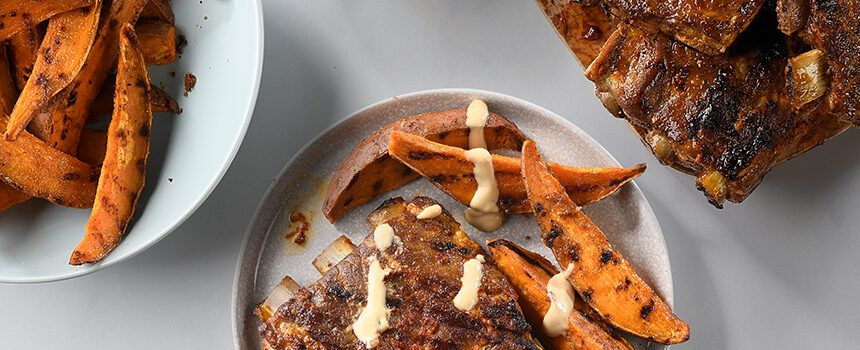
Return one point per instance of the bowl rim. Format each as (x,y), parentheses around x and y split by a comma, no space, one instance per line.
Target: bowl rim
(468,91)
(259,42)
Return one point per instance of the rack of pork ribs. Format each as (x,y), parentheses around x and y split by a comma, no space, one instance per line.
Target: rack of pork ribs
(722,90)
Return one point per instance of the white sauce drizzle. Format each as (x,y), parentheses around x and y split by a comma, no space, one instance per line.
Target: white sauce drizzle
(430,212)
(561,303)
(383,236)
(483,213)
(373,320)
(467,297)
(476,117)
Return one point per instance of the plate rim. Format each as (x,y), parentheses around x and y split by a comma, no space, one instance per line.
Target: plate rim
(259,42)
(254,223)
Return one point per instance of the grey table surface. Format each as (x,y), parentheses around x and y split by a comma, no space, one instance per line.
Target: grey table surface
(778,271)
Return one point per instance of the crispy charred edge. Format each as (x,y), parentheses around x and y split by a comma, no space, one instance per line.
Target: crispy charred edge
(372,150)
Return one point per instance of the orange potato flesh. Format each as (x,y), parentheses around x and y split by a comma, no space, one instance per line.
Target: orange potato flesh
(158,39)
(63,51)
(93,146)
(370,171)
(529,274)
(603,278)
(67,119)
(448,169)
(33,167)
(18,15)
(23,48)
(124,168)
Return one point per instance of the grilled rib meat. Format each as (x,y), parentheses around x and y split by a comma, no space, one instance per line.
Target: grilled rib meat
(833,26)
(426,268)
(724,118)
(708,26)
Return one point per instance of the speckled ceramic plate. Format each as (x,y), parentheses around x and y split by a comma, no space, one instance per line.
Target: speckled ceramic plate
(267,256)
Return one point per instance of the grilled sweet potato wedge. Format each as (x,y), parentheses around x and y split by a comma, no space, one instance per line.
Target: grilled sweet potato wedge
(370,171)
(124,168)
(603,278)
(448,169)
(23,48)
(67,119)
(158,39)
(33,167)
(20,14)
(529,274)
(66,45)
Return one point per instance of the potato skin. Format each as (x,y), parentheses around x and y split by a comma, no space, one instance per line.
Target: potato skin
(529,274)
(448,169)
(603,278)
(370,171)
(124,168)
(23,47)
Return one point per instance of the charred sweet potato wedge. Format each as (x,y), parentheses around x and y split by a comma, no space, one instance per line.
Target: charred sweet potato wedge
(603,278)
(20,14)
(67,119)
(370,171)
(33,167)
(529,274)
(23,48)
(158,40)
(67,43)
(124,168)
(448,169)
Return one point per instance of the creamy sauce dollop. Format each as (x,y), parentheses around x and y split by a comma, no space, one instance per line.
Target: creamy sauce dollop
(483,213)
(476,117)
(467,297)
(561,303)
(430,212)
(383,236)
(373,320)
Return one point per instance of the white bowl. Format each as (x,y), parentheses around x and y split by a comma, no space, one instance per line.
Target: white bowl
(190,151)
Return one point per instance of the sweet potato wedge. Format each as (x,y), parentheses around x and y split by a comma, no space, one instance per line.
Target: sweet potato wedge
(158,39)
(23,48)
(157,9)
(370,171)
(93,147)
(603,278)
(8,91)
(67,43)
(529,274)
(33,167)
(448,169)
(124,168)
(67,119)
(102,105)
(20,14)
(8,94)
